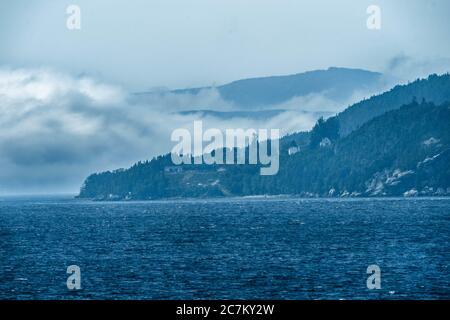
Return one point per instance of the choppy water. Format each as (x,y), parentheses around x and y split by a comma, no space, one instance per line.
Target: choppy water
(220,249)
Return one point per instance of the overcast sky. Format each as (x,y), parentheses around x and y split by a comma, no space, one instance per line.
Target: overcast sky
(143,44)
(64,108)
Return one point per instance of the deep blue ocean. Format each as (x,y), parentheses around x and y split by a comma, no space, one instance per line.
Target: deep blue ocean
(274,248)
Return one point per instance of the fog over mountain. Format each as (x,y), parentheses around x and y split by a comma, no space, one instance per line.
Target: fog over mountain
(64,127)
(336,86)
(68,102)
(388,145)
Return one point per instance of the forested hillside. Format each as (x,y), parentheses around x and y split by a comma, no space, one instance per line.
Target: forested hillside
(402,152)
(434,89)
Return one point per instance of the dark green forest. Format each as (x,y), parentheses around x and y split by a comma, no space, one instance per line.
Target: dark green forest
(393,144)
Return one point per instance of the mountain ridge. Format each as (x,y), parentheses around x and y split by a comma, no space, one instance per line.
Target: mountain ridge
(335,83)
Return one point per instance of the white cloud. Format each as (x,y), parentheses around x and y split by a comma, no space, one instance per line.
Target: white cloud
(56,129)
(408,68)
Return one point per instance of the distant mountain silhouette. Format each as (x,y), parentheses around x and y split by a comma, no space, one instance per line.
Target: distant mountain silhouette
(336,84)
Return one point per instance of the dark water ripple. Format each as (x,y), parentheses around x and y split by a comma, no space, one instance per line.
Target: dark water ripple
(223,249)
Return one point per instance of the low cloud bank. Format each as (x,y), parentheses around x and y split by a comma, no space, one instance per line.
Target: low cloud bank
(56,129)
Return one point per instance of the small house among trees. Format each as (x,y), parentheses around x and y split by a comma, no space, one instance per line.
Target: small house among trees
(173,169)
(293,148)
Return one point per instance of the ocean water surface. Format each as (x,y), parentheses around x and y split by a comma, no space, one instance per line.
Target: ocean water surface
(270,248)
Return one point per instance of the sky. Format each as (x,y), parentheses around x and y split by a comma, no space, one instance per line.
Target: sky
(142,44)
(64,105)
